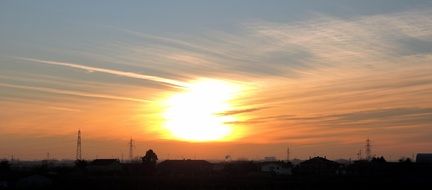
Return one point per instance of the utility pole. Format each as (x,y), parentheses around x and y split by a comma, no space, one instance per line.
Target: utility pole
(288,154)
(78,148)
(131,147)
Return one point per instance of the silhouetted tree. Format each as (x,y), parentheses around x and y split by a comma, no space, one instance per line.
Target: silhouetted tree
(149,162)
(405,160)
(150,158)
(378,160)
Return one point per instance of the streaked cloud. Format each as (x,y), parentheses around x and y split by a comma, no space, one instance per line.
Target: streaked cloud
(109,71)
(73,93)
(64,109)
(240,111)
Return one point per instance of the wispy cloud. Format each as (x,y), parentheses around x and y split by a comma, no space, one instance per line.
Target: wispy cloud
(64,109)
(241,111)
(294,49)
(73,93)
(109,71)
(376,39)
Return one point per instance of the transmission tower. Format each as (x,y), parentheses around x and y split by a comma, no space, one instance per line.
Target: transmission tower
(78,148)
(131,147)
(368,149)
(288,154)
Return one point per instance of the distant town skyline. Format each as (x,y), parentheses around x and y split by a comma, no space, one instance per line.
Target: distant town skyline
(206,79)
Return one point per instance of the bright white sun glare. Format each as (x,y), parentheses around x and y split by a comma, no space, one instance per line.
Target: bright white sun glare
(196,113)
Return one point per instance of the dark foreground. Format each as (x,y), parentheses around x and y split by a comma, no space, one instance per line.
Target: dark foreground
(126,182)
(184,174)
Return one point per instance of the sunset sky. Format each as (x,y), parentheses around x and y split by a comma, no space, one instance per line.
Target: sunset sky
(205,79)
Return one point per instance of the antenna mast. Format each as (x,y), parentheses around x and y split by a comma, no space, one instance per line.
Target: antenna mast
(131,147)
(78,149)
(288,154)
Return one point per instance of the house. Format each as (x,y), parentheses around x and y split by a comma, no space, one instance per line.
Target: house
(425,158)
(218,167)
(105,165)
(241,167)
(278,168)
(137,169)
(184,167)
(318,166)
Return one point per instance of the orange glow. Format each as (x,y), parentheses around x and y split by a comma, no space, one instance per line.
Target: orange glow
(196,113)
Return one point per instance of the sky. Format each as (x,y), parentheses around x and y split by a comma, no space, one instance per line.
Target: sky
(319,77)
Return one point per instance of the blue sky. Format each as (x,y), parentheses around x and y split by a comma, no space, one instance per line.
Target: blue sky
(320,73)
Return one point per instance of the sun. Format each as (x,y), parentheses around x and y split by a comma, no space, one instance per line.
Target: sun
(196,114)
